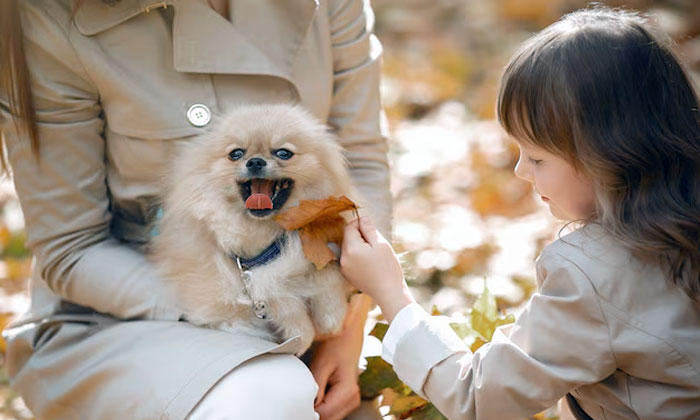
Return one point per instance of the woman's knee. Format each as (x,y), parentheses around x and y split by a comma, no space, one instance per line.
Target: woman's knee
(283,376)
(268,386)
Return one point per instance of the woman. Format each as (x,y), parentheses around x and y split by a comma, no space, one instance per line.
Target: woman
(114,86)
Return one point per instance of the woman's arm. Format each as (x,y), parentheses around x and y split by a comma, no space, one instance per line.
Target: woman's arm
(64,194)
(559,342)
(335,364)
(355,115)
(355,112)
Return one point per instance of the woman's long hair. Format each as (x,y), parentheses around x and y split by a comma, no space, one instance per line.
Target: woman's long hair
(600,90)
(15,82)
(14,75)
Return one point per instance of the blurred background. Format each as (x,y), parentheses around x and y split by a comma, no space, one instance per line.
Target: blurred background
(460,214)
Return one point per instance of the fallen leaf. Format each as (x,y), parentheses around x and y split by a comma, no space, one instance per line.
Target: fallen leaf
(485,317)
(478,342)
(406,404)
(379,330)
(5,318)
(318,223)
(377,376)
(427,412)
(5,236)
(388,396)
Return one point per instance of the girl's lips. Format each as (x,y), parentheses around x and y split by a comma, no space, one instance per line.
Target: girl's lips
(544,198)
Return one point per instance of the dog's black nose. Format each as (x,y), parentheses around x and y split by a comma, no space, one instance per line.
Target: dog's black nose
(255,165)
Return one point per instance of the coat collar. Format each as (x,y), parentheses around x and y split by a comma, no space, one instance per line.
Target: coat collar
(264,38)
(95,16)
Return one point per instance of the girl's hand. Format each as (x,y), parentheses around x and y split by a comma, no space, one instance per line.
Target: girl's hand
(369,263)
(335,363)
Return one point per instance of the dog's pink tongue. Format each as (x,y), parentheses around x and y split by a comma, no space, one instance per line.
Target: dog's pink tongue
(261,191)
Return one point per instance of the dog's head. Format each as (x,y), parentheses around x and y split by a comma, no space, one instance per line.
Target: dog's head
(259,160)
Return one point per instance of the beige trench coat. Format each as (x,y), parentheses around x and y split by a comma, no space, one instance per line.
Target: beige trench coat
(604,326)
(112,89)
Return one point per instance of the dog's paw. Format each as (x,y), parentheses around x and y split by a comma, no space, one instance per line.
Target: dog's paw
(304,344)
(304,330)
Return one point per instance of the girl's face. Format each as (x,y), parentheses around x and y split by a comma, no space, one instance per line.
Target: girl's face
(568,192)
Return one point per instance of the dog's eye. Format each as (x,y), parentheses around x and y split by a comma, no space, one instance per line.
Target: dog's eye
(283,154)
(236,154)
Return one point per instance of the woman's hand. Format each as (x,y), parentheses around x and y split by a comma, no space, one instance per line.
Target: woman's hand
(334,365)
(369,263)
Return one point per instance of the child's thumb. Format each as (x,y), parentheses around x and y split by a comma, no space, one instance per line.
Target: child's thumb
(369,232)
(352,233)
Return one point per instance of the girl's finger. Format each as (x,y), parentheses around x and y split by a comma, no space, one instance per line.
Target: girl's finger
(352,234)
(368,231)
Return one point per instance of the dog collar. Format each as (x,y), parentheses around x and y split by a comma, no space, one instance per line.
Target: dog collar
(260,307)
(270,253)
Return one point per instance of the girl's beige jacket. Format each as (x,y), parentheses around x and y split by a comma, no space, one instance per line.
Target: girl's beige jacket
(113,85)
(603,326)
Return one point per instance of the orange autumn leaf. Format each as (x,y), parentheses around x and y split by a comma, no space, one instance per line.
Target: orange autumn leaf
(318,222)
(309,211)
(5,318)
(315,237)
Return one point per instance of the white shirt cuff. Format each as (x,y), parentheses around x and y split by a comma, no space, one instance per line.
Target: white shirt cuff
(407,318)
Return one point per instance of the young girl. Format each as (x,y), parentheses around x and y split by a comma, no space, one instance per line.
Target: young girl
(608,129)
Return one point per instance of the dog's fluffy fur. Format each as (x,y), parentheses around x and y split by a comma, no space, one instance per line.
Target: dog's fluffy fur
(205,221)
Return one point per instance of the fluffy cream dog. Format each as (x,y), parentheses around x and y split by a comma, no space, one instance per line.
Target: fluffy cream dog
(224,188)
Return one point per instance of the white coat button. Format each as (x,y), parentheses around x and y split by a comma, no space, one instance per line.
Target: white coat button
(199,115)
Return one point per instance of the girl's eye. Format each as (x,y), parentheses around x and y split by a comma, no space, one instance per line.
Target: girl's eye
(236,154)
(283,154)
(534,161)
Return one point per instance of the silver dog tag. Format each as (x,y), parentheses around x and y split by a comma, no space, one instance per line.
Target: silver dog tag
(259,306)
(260,309)
(246,276)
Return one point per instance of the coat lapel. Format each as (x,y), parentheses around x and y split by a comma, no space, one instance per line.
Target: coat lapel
(263,38)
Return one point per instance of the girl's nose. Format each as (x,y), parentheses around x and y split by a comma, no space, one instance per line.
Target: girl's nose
(522,169)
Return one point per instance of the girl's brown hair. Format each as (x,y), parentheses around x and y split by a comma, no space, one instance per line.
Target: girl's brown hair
(598,89)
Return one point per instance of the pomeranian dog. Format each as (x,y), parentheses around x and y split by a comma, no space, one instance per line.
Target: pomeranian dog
(231,265)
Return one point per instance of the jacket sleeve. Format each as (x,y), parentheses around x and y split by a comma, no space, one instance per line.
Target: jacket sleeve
(559,342)
(64,194)
(356,113)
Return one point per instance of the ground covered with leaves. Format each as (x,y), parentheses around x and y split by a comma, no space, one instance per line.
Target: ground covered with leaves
(460,214)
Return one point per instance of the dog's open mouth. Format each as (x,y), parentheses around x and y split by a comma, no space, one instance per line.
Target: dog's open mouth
(265,196)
